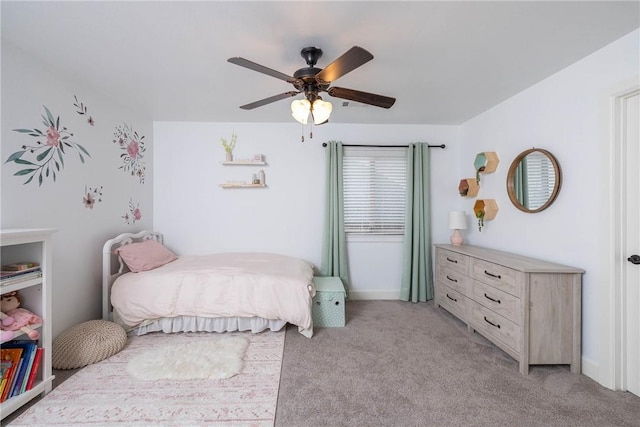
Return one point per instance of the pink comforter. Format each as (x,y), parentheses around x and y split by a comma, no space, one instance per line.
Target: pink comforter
(222,285)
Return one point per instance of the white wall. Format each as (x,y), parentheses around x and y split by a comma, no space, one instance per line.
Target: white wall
(562,114)
(27,85)
(197,216)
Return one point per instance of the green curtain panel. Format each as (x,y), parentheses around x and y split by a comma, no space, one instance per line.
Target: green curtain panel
(417,278)
(520,183)
(334,249)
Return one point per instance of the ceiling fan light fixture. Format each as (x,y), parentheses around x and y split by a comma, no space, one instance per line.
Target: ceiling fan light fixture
(321,111)
(300,109)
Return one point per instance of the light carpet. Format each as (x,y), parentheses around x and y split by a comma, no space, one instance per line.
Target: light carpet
(104,394)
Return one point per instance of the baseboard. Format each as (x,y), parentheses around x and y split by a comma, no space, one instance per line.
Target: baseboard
(590,369)
(374,295)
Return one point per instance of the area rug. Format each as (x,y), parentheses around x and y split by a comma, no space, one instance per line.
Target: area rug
(105,394)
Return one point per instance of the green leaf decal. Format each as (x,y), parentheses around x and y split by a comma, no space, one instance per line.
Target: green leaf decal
(49,116)
(24,172)
(43,154)
(29,180)
(24,162)
(24,130)
(15,156)
(83,150)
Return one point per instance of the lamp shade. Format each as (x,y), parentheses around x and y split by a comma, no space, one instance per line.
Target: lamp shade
(300,109)
(321,111)
(457,220)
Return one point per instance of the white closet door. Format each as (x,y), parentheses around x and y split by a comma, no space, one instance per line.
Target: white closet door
(632,272)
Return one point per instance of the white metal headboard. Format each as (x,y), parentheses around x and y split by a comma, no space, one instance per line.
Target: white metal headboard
(113,266)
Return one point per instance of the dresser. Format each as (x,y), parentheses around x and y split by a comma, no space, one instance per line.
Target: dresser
(529,308)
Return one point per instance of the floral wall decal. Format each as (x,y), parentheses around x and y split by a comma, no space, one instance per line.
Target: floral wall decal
(91,196)
(133,146)
(46,158)
(133,214)
(82,110)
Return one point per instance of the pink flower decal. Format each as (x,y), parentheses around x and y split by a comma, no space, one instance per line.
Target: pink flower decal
(53,137)
(82,110)
(46,158)
(134,214)
(92,196)
(133,149)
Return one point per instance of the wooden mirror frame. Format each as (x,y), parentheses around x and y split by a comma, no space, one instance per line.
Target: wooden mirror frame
(511,178)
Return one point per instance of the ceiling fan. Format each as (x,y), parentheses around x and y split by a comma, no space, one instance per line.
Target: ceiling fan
(312,81)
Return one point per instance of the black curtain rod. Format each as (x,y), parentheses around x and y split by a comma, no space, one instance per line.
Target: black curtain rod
(324,144)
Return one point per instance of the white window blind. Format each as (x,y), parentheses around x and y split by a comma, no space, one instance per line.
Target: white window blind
(374,188)
(540,179)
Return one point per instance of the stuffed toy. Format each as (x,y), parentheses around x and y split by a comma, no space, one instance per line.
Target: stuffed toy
(13,318)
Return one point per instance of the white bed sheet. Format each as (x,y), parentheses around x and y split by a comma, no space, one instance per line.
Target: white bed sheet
(268,286)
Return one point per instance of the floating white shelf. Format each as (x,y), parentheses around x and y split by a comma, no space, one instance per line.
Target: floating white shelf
(242,185)
(244,163)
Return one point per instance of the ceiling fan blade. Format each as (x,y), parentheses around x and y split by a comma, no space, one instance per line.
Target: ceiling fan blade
(261,69)
(349,61)
(363,97)
(269,100)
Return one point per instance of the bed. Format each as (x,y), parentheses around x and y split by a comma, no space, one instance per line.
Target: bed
(147,288)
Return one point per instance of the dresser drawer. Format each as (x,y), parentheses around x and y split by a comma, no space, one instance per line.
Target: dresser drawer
(502,278)
(495,326)
(498,301)
(453,261)
(452,301)
(454,279)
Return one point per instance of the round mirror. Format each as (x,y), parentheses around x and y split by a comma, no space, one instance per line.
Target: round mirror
(534,180)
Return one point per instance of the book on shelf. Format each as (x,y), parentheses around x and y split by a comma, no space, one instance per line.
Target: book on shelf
(5,367)
(19,266)
(13,355)
(19,276)
(28,353)
(34,369)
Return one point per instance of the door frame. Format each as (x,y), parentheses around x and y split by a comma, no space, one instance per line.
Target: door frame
(613,311)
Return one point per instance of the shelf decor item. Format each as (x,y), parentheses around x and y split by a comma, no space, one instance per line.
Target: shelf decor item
(468,187)
(228,146)
(485,209)
(457,222)
(486,162)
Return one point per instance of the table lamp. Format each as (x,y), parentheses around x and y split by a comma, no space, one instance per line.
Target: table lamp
(457,222)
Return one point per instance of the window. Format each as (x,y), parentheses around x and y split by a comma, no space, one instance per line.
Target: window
(540,179)
(374,189)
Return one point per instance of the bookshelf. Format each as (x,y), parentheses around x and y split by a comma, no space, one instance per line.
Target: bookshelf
(18,245)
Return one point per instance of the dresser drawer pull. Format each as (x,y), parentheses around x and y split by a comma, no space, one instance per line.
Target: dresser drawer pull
(452,299)
(491,299)
(453,280)
(497,276)
(491,323)
(452,260)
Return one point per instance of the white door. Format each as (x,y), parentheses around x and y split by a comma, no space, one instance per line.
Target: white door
(631,283)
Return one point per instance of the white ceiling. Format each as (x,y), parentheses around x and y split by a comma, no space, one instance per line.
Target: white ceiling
(445,62)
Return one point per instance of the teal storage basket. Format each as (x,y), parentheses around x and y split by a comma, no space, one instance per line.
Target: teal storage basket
(327,307)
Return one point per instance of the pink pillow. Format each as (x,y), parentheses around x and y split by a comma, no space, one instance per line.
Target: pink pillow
(145,255)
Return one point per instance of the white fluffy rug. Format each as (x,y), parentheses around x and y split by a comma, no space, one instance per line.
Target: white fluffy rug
(219,357)
(105,394)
